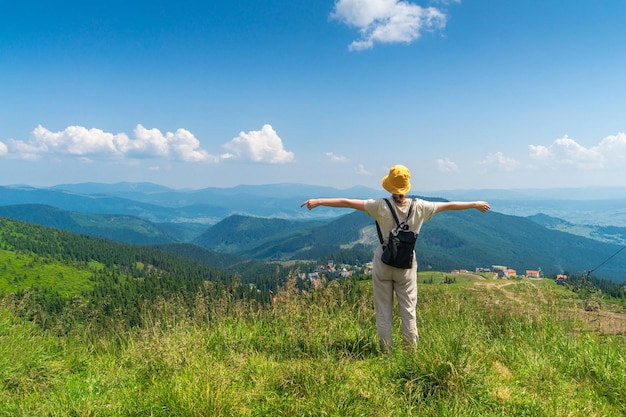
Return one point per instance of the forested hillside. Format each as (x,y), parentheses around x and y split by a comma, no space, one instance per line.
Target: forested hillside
(239,234)
(451,240)
(51,267)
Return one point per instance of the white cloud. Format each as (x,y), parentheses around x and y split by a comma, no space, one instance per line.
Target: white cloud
(147,143)
(499,161)
(73,140)
(263,146)
(613,147)
(610,152)
(87,144)
(259,146)
(446,165)
(362,171)
(387,21)
(180,145)
(336,158)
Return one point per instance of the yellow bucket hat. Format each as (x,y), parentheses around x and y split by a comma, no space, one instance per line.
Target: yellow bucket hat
(398,181)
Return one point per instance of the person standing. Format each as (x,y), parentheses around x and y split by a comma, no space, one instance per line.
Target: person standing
(388,280)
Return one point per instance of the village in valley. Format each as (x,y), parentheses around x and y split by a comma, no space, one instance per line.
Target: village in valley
(501,272)
(332,271)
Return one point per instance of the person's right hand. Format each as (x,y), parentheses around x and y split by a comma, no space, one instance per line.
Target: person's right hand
(482,206)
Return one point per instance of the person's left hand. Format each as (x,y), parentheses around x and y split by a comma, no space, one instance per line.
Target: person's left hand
(310,204)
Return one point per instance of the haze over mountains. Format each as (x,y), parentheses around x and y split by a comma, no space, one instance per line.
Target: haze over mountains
(592,205)
(269,223)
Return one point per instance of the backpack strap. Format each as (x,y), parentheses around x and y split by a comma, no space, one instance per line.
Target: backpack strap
(410,210)
(380,234)
(395,217)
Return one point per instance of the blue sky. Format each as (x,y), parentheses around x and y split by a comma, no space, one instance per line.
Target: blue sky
(188,94)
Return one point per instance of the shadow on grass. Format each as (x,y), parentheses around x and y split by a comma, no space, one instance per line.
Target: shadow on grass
(356,348)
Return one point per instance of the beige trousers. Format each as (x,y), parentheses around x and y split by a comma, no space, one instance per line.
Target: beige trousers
(388,281)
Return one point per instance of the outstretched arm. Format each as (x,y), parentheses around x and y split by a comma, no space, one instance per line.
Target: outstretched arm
(334,202)
(481,206)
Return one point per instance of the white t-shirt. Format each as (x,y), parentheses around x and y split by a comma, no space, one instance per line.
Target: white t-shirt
(422,211)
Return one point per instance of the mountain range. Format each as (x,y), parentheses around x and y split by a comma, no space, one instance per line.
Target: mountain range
(267,223)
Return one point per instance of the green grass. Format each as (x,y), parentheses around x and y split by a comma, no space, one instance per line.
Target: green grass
(23,271)
(484,350)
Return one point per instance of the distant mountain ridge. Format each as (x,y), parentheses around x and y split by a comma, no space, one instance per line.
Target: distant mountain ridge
(451,240)
(591,205)
(162,204)
(118,227)
(259,226)
(610,234)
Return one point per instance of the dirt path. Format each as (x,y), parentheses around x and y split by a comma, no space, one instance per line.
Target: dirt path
(500,286)
(608,320)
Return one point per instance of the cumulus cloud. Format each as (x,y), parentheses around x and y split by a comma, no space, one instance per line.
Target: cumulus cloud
(259,146)
(499,161)
(446,165)
(86,144)
(614,147)
(387,21)
(336,158)
(610,152)
(74,140)
(180,145)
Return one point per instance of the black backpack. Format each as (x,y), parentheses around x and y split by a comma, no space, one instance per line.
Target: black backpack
(401,244)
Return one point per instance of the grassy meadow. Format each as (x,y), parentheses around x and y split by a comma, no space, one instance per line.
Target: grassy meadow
(487,348)
(21,271)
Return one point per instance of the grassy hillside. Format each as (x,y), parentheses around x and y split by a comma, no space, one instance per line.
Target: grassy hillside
(47,267)
(50,269)
(506,348)
(58,244)
(20,272)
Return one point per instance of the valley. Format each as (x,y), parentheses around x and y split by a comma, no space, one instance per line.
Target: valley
(224,221)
